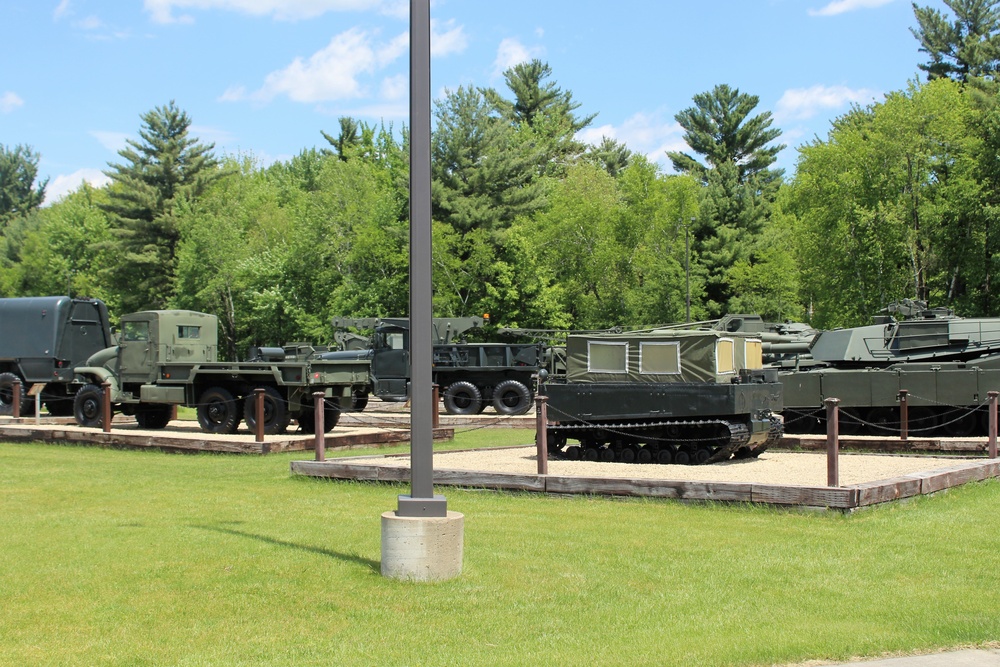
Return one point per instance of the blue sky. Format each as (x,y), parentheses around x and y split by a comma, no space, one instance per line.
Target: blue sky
(264,77)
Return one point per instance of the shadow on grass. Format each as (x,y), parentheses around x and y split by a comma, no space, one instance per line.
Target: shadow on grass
(373,565)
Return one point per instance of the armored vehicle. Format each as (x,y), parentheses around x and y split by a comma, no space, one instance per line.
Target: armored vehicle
(946,364)
(470,376)
(41,340)
(667,396)
(166,358)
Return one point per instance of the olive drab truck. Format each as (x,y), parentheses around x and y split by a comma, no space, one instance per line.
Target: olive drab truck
(470,376)
(41,340)
(663,396)
(167,358)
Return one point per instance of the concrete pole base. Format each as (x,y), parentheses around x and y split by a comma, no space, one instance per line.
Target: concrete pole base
(422,548)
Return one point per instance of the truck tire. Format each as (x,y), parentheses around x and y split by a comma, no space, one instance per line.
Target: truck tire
(331,415)
(88,406)
(60,406)
(153,416)
(217,411)
(511,397)
(276,415)
(359,401)
(462,398)
(7,393)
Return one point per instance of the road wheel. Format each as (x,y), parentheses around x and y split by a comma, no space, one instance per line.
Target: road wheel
(217,411)
(7,393)
(88,406)
(276,415)
(511,397)
(462,398)
(155,416)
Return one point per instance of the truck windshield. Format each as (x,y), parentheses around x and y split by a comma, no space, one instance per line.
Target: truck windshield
(138,331)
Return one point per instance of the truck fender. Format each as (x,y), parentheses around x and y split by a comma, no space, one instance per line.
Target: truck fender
(97,375)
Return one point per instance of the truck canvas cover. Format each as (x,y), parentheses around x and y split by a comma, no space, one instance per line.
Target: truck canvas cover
(660,356)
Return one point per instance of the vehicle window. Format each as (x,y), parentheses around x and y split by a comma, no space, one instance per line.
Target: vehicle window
(660,358)
(725,356)
(135,331)
(188,331)
(607,357)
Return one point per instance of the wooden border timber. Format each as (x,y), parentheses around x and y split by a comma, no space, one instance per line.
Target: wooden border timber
(180,439)
(847,498)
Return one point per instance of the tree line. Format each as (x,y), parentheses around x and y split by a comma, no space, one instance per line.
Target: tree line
(900,199)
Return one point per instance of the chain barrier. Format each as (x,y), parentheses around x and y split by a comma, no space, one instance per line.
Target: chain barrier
(954,415)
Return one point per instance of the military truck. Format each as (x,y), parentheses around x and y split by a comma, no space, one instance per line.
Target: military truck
(470,376)
(663,396)
(166,358)
(41,340)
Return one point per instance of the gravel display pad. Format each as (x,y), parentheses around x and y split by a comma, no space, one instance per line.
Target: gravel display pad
(772,467)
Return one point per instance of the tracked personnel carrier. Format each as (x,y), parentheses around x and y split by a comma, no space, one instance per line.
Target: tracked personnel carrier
(664,396)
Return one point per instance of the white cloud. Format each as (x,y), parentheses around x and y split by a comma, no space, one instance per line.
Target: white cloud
(452,40)
(650,134)
(162,11)
(843,6)
(62,185)
(395,87)
(113,141)
(9,101)
(802,103)
(511,52)
(61,10)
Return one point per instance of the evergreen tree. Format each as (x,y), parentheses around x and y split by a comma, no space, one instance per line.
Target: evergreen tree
(164,169)
(965,48)
(739,182)
(612,155)
(19,195)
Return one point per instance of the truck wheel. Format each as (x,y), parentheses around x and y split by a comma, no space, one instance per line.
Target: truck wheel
(276,415)
(511,397)
(60,406)
(153,416)
(359,401)
(217,411)
(462,398)
(331,415)
(88,406)
(7,393)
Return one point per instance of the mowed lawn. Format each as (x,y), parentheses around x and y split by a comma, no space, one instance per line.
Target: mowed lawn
(111,557)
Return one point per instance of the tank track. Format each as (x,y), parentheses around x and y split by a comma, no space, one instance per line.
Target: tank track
(686,438)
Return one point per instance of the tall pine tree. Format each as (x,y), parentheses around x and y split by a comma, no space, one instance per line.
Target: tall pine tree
(965,48)
(159,173)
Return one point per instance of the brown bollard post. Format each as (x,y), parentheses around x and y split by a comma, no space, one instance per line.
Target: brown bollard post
(258,411)
(904,415)
(992,395)
(435,399)
(106,408)
(541,435)
(319,399)
(832,442)
(15,387)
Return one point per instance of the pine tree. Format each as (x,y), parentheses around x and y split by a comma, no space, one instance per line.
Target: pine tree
(19,195)
(160,172)
(966,48)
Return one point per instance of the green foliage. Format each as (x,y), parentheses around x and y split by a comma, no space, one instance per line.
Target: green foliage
(739,184)
(160,173)
(966,48)
(890,205)
(19,194)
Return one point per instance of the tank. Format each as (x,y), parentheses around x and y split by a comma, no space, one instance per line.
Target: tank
(663,396)
(945,363)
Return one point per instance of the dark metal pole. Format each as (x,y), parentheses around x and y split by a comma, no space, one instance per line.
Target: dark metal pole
(421,502)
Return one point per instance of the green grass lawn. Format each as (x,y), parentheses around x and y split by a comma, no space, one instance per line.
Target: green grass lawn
(111,557)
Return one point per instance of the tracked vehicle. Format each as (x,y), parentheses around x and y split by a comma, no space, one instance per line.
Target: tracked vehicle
(664,396)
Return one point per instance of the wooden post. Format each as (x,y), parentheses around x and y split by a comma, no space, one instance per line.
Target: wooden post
(319,400)
(541,434)
(258,411)
(436,400)
(106,408)
(904,415)
(38,407)
(832,442)
(15,387)
(993,423)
